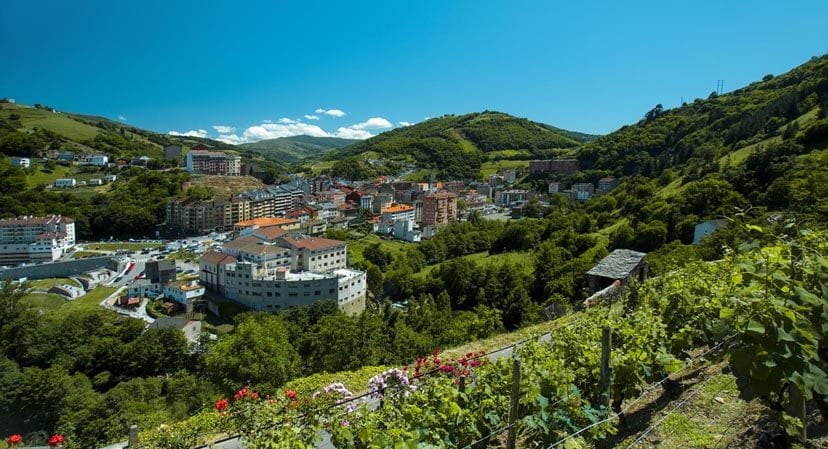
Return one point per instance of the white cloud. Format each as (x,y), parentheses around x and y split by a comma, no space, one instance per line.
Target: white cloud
(122,118)
(351,133)
(190,133)
(232,139)
(311,117)
(276,130)
(331,112)
(223,129)
(373,123)
(286,120)
(360,130)
(405,123)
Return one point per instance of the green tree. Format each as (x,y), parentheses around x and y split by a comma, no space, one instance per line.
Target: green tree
(256,352)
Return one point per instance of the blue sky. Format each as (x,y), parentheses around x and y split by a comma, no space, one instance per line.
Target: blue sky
(267,69)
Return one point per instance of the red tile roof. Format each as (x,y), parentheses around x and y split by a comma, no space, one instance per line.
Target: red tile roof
(313,243)
(216,257)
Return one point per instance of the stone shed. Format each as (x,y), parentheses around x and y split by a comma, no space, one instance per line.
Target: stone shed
(620,265)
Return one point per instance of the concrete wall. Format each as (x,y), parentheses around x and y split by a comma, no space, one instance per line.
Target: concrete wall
(59,269)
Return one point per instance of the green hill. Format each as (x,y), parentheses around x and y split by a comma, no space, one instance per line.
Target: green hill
(455,146)
(294,149)
(29,130)
(691,138)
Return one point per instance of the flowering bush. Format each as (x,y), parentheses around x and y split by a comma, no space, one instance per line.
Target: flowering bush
(462,367)
(333,395)
(269,422)
(394,379)
(14,440)
(56,440)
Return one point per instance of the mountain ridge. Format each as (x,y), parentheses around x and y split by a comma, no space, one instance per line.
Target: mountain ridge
(293,149)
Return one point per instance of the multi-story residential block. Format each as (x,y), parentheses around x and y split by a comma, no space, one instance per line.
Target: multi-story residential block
(398,212)
(173,153)
(22,162)
(192,216)
(315,253)
(272,271)
(511,197)
(200,159)
(554,166)
(607,184)
(496,181)
(555,187)
(280,288)
(582,191)
(160,271)
(331,196)
(439,208)
(35,239)
(381,201)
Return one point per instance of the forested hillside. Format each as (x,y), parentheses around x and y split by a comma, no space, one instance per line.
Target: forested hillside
(694,138)
(456,146)
(294,149)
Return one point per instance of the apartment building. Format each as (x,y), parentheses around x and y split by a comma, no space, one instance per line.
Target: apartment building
(195,217)
(269,270)
(511,197)
(280,288)
(202,160)
(28,239)
(316,254)
(397,212)
(554,166)
(439,208)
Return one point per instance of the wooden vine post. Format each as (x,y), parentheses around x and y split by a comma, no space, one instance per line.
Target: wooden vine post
(514,404)
(798,404)
(606,369)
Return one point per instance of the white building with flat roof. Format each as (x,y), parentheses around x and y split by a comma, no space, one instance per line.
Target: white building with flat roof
(22,162)
(64,183)
(35,239)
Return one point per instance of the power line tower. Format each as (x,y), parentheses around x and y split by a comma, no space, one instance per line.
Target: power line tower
(719,86)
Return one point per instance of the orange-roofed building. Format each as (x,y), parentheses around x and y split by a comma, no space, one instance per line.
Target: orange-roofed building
(398,212)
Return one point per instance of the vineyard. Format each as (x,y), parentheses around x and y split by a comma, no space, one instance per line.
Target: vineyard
(761,311)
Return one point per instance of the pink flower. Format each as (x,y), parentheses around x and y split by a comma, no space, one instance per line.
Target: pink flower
(221,404)
(14,440)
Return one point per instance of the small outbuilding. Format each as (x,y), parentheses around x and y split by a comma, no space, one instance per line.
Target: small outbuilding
(620,265)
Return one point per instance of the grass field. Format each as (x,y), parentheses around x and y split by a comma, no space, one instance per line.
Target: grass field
(357,246)
(321,166)
(43,176)
(522,259)
(51,302)
(46,284)
(59,123)
(492,167)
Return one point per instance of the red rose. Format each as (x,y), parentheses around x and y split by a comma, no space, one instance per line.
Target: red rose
(290,394)
(14,440)
(56,440)
(254,396)
(221,404)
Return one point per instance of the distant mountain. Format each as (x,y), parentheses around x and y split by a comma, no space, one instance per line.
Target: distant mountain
(456,145)
(294,149)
